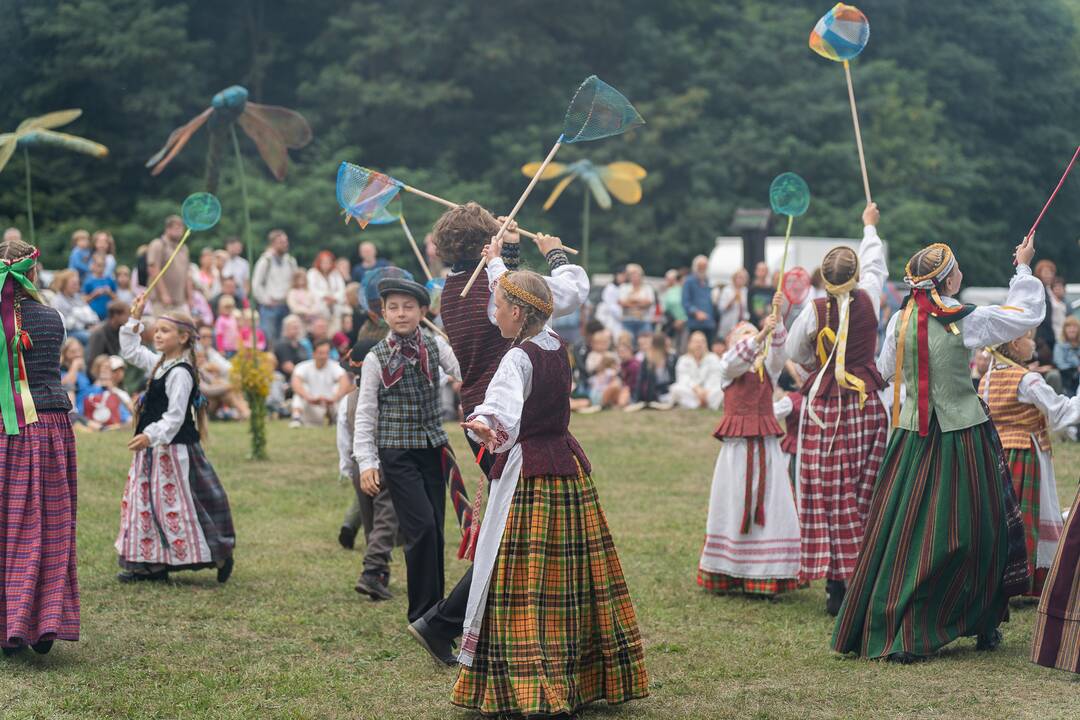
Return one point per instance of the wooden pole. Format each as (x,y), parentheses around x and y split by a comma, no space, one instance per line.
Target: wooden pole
(858,132)
(415,248)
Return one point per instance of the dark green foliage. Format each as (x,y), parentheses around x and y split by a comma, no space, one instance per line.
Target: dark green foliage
(967,110)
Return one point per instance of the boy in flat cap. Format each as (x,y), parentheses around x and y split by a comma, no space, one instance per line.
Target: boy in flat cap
(399,438)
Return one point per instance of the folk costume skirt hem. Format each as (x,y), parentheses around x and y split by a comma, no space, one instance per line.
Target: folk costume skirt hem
(939,546)
(559,630)
(38,499)
(1057,625)
(1033,479)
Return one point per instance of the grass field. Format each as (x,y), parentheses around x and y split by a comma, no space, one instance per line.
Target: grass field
(288,637)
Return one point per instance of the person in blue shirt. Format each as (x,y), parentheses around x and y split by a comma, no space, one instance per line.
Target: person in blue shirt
(697,300)
(81,252)
(99,288)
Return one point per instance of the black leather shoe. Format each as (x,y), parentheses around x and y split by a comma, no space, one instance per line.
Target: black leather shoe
(440,650)
(43,647)
(225,571)
(989,640)
(12,651)
(902,658)
(835,590)
(374,587)
(346,537)
(131,577)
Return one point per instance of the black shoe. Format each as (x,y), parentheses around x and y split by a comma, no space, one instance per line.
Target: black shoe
(225,571)
(12,651)
(346,537)
(374,587)
(131,577)
(440,650)
(902,658)
(43,647)
(836,590)
(989,640)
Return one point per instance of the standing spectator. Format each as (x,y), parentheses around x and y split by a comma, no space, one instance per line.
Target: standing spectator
(697,300)
(172,294)
(271,282)
(734,302)
(698,376)
(124,289)
(289,350)
(609,311)
(369,260)
(1057,307)
(78,317)
(105,339)
(1046,271)
(327,286)
(104,245)
(760,294)
(236,267)
(81,252)
(244,323)
(1067,355)
(638,301)
(301,301)
(675,316)
(227,327)
(98,288)
(206,277)
(318,385)
(228,289)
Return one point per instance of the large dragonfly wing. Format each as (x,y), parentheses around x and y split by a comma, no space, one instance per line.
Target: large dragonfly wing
(271,145)
(596,186)
(178,138)
(48,121)
(74,143)
(553,170)
(625,188)
(558,190)
(289,124)
(7,147)
(627,169)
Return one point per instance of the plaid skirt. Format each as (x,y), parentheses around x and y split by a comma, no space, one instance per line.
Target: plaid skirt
(720,583)
(1037,495)
(838,467)
(174,513)
(1057,624)
(38,487)
(559,630)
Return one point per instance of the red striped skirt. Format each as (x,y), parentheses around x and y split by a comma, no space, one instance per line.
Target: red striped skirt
(838,467)
(38,481)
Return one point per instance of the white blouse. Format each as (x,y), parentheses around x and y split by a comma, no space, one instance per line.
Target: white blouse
(739,360)
(873,272)
(569,285)
(321,286)
(178,385)
(367,405)
(508,390)
(986,326)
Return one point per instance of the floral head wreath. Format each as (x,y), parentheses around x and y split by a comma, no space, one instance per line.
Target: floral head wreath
(508,286)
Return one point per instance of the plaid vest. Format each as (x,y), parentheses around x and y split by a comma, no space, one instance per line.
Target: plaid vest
(1015,421)
(410,415)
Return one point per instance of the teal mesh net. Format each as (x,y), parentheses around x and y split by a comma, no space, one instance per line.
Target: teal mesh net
(364,194)
(372,279)
(201,211)
(789,195)
(598,111)
(387,214)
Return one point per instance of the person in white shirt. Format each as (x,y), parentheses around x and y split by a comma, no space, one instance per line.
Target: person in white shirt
(734,303)
(698,381)
(318,385)
(237,267)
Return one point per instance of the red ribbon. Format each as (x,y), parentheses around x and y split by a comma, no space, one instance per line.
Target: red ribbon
(927,307)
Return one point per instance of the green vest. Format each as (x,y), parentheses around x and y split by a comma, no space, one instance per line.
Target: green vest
(953,398)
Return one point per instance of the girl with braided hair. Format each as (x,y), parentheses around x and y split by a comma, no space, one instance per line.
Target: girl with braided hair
(944,543)
(844,426)
(549,625)
(174,514)
(38,472)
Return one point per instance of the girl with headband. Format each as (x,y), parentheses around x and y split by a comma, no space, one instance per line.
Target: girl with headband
(944,543)
(174,514)
(844,427)
(37,460)
(548,594)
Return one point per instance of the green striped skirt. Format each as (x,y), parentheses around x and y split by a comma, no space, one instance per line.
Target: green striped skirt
(938,546)
(559,630)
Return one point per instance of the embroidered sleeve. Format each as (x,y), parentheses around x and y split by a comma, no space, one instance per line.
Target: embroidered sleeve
(774,363)
(737,360)
(556,258)
(511,255)
(505,398)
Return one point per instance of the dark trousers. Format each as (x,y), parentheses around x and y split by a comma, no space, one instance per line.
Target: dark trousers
(447,617)
(379,520)
(414,478)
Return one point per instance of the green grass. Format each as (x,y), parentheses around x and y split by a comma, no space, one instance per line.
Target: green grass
(288,637)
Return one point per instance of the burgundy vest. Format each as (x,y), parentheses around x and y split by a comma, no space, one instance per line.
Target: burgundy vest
(861,344)
(476,341)
(748,408)
(790,442)
(547,447)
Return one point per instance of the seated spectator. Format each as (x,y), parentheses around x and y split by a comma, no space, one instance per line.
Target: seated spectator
(81,252)
(656,376)
(1067,355)
(734,302)
(227,328)
(302,302)
(103,244)
(290,351)
(318,331)
(73,376)
(317,386)
(200,308)
(125,291)
(244,322)
(629,367)
(719,347)
(206,277)
(606,389)
(230,290)
(105,339)
(698,376)
(369,260)
(106,405)
(78,316)
(224,401)
(276,401)
(205,345)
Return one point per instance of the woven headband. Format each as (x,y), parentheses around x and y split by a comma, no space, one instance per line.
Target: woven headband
(181,323)
(525,296)
(930,279)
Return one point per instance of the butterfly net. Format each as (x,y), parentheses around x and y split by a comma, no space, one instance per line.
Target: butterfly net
(362,193)
(796,285)
(372,278)
(841,33)
(435,290)
(598,111)
(201,211)
(789,195)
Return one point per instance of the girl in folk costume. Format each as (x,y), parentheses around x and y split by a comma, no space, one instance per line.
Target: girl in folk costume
(943,549)
(752,534)
(845,427)
(174,514)
(549,625)
(38,473)
(1057,624)
(1025,410)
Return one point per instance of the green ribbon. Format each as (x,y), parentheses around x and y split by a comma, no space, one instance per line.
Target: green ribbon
(9,383)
